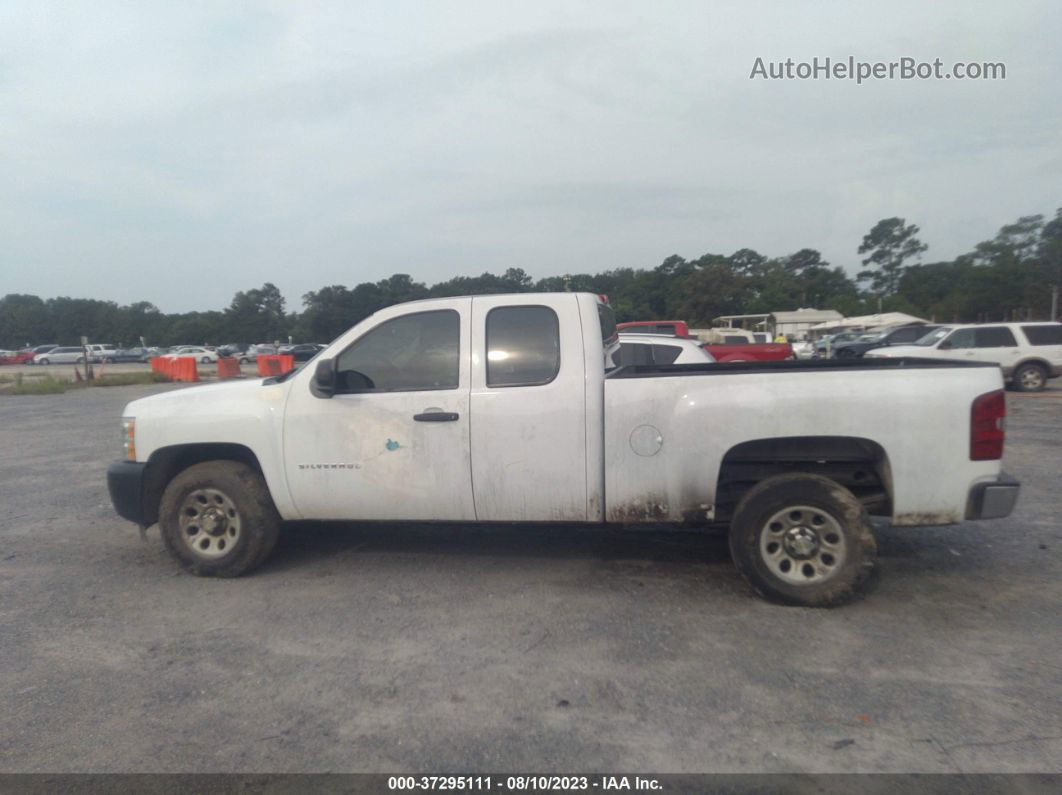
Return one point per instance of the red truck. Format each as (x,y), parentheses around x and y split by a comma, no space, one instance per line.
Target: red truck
(20,357)
(725,344)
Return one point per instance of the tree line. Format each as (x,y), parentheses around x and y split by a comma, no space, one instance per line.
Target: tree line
(1010,276)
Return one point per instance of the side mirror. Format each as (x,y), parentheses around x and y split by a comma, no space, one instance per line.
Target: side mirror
(324,378)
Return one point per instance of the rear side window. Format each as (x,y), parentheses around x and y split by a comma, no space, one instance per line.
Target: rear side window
(405,354)
(908,334)
(665,354)
(734,340)
(631,354)
(523,346)
(994,337)
(1044,335)
(607,318)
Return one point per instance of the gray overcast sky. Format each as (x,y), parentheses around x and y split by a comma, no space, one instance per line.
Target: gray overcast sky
(179,152)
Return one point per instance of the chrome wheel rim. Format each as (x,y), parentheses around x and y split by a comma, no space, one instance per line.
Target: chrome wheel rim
(802,545)
(210,523)
(1031,378)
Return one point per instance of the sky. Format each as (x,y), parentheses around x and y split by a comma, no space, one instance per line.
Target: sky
(179,152)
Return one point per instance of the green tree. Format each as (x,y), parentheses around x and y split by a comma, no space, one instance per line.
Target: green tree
(257,315)
(889,245)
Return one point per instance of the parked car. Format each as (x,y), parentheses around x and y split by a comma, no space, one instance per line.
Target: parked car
(827,343)
(653,348)
(1028,353)
(197,352)
(72,354)
(302,352)
(723,344)
(38,349)
(133,354)
(17,357)
(102,352)
(233,349)
(252,353)
(498,408)
(895,335)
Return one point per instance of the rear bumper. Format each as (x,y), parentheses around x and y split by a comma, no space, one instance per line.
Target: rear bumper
(993,499)
(125,482)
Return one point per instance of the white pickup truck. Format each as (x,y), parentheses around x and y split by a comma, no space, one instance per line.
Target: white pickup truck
(508,408)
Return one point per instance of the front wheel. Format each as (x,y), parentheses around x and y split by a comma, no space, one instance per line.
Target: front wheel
(43,361)
(205,360)
(802,540)
(218,519)
(1030,378)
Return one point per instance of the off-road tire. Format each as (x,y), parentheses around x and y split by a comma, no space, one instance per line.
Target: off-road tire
(1024,379)
(247,491)
(824,498)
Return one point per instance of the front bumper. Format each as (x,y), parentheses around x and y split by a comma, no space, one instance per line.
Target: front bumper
(125,482)
(993,499)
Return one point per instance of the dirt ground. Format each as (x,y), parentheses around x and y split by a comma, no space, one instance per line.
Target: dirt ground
(461,649)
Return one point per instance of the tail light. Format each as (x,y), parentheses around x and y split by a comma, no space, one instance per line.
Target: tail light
(987,418)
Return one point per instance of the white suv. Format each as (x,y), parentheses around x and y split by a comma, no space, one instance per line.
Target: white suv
(1029,353)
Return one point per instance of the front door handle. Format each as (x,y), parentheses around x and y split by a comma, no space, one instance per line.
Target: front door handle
(437,416)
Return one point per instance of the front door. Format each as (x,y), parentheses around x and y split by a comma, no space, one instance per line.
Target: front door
(393,442)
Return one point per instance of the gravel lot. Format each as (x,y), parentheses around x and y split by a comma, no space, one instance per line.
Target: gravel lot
(369,648)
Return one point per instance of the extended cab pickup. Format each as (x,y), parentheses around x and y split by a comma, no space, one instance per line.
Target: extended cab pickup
(506,408)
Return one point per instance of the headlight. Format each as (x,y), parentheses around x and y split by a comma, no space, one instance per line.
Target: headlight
(129,437)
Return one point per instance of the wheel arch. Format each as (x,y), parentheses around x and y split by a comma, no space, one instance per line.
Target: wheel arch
(1037,360)
(166,463)
(857,463)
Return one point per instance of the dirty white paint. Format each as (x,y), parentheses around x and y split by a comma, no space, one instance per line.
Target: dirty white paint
(580,448)
(921,418)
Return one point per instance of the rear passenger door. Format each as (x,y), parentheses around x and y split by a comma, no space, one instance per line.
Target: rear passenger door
(528,431)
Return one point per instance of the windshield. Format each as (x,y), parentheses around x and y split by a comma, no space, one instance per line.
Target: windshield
(933,337)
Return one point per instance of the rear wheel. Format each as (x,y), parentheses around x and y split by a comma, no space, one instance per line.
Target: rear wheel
(802,540)
(1030,378)
(205,360)
(43,361)
(218,519)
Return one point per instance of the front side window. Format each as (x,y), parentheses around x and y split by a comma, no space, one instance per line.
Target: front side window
(933,337)
(410,353)
(994,337)
(962,338)
(523,346)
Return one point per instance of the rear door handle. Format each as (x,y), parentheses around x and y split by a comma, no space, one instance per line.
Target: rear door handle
(437,416)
